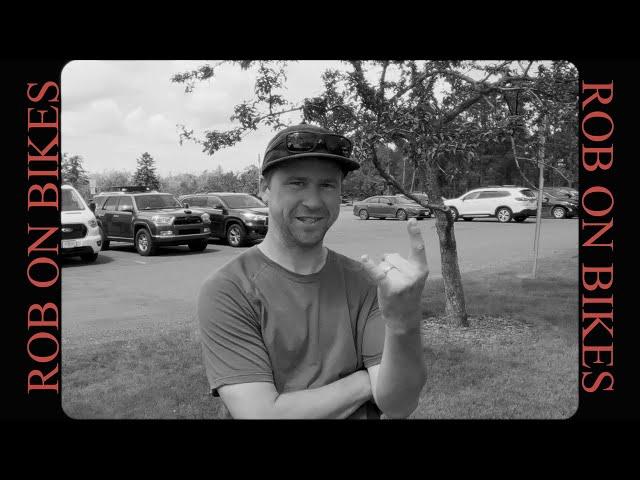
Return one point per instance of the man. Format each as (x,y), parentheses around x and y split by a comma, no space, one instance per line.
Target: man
(291,329)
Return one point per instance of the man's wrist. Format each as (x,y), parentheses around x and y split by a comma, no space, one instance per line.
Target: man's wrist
(403,325)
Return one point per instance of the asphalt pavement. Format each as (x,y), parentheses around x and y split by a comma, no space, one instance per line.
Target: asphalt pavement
(123,291)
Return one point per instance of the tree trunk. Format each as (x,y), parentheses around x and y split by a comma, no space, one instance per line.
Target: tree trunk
(455,309)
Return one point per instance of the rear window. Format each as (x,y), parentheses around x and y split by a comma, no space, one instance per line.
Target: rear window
(71,200)
(528,193)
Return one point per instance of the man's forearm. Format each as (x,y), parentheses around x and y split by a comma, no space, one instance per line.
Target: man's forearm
(335,400)
(402,372)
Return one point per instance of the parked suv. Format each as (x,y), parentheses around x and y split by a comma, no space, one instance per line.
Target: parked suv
(236,217)
(383,206)
(150,220)
(560,202)
(80,231)
(504,203)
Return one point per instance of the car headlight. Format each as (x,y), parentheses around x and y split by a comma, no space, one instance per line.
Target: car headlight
(162,219)
(206,218)
(93,223)
(253,216)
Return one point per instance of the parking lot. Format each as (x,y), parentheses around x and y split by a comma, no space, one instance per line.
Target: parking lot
(124,293)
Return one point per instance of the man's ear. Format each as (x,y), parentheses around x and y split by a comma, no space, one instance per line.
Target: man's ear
(264,192)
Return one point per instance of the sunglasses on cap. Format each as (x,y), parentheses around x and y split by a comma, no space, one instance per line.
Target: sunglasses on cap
(300,142)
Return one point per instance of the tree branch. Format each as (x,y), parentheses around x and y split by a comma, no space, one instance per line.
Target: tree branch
(515,158)
(392,181)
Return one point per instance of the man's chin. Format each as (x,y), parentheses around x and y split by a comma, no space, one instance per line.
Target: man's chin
(308,239)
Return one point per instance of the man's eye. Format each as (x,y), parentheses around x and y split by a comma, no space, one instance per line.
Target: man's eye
(299,184)
(328,185)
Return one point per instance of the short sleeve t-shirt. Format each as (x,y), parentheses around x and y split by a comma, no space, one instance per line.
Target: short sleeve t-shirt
(260,322)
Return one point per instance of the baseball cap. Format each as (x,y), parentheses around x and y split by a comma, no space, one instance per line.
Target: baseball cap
(304,140)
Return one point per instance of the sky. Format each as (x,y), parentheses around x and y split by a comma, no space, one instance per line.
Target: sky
(113,111)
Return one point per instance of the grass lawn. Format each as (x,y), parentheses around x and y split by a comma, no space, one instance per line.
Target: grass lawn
(517,359)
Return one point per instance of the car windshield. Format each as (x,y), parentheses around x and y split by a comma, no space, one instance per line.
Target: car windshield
(242,201)
(71,200)
(155,202)
(528,193)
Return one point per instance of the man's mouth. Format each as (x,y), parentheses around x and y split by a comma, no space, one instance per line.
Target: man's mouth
(309,220)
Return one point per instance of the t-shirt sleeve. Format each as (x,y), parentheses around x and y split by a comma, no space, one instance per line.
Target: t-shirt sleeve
(232,345)
(374,329)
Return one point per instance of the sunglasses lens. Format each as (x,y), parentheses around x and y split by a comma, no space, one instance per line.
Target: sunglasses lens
(308,141)
(338,145)
(301,141)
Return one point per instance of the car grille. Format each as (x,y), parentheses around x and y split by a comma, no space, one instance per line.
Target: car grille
(188,231)
(187,220)
(73,230)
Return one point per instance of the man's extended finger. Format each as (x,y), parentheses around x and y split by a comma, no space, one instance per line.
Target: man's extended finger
(417,252)
(376,272)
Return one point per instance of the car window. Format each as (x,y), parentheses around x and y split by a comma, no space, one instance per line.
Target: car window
(110,204)
(125,202)
(71,200)
(195,201)
(242,201)
(472,196)
(528,193)
(492,194)
(99,201)
(369,200)
(214,202)
(158,201)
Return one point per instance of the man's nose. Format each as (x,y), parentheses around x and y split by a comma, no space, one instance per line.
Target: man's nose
(312,199)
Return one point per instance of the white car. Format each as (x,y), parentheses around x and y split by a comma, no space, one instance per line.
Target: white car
(504,203)
(80,232)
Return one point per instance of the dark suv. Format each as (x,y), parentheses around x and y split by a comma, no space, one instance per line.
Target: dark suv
(150,220)
(236,217)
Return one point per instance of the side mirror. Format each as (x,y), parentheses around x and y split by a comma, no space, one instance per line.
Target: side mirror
(127,209)
(92,207)
(186,205)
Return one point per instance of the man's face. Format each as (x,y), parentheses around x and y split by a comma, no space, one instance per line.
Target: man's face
(304,200)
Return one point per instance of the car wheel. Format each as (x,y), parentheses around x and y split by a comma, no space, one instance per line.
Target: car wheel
(236,235)
(363,214)
(144,243)
(89,257)
(519,219)
(198,245)
(105,242)
(401,215)
(558,212)
(467,219)
(504,215)
(454,213)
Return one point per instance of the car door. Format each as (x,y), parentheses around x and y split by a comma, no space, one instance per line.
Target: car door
(373,206)
(388,206)
(469,204)
(215,209)
(122,220)
(487,202)
(105,214)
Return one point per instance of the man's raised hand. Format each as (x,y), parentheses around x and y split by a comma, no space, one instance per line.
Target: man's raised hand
(401,281)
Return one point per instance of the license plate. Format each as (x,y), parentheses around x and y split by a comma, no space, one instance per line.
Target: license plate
(68,243)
